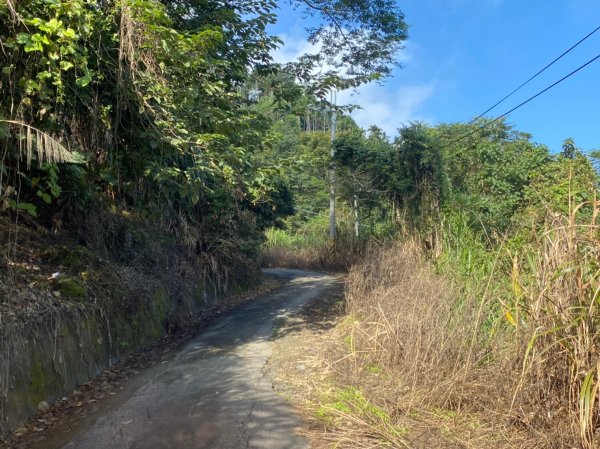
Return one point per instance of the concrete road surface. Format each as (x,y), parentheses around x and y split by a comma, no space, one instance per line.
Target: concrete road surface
(216,392)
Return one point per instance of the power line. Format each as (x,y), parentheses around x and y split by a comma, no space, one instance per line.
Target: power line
(500,117)
(536,75)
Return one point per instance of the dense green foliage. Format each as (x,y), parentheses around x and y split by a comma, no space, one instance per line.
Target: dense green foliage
(132,122)
(154,105)
(498,177)
(495,185)
(159,125)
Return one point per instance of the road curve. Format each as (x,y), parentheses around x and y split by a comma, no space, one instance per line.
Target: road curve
(215,393)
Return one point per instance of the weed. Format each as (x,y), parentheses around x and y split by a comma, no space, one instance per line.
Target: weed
(72,289)
(509,329)
(310,247)
(373,368)
(444,414)
(350,409)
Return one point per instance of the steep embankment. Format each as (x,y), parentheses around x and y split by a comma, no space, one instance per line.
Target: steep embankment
(69,308)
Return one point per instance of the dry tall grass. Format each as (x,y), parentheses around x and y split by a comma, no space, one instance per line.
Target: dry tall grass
(332,257)
(527,366)
(557,314)
(404,315)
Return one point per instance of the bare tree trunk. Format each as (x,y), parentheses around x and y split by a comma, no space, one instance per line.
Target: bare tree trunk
(356,221)
(332,179)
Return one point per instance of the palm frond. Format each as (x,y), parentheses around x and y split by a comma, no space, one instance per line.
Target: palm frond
(46,147)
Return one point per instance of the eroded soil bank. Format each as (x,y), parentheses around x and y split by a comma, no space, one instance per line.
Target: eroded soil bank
(70,309)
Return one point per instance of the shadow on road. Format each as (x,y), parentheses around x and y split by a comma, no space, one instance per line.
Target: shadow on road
(216,392)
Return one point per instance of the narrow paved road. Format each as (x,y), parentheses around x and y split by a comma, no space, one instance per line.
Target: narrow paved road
(216,392)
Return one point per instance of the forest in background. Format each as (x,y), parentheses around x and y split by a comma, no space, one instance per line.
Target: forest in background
(148,109)
(161,136)
(472,297)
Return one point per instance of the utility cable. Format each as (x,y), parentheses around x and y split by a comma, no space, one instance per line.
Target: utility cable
(536,75)
(500,117)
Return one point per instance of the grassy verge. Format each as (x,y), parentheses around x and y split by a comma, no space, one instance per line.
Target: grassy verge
(485,346)
(308,245)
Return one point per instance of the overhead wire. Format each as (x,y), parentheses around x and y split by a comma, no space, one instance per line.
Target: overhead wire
(550,64)
(500,117)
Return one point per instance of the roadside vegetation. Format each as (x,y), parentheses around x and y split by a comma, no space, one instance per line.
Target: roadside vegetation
(476,323)
(137,175)
(152,156)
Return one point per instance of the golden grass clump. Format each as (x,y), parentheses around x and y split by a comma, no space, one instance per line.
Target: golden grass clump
(558,320)
(403,312)
(522,360)
(408,343)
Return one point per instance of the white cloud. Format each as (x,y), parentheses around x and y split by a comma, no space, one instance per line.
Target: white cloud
(388,107)
(293,47)
(406,55)
(383,105)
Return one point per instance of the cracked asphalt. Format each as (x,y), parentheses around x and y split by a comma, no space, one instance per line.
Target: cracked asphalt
(217,391)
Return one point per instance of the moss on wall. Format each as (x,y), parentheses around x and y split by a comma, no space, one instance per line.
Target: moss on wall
(46,359)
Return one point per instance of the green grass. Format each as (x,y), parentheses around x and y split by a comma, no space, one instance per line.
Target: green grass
(312,234)
(482,270)
(351,403)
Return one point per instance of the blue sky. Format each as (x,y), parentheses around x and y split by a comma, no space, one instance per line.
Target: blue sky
(464,55)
